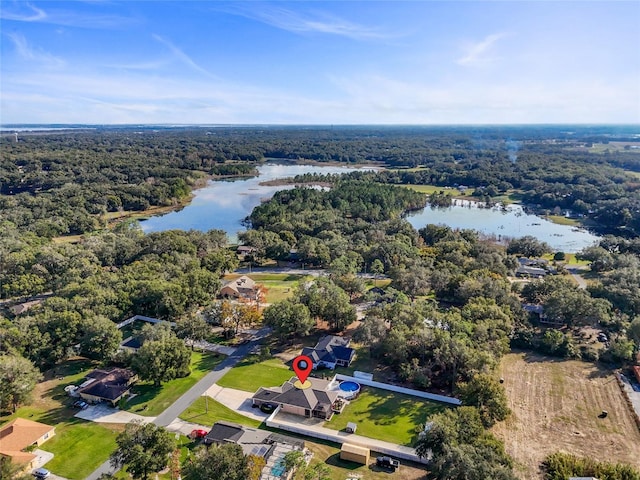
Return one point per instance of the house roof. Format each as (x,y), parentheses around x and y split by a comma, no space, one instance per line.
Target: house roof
(19,434)
(253,441)
(314,398)
(241,284)
(224,432)
(532,270)
(330,348)
(108,384)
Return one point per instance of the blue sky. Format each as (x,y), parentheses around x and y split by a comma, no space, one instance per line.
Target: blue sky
(346,62)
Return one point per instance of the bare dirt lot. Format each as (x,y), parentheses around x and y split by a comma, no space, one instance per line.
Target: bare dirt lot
(555,405)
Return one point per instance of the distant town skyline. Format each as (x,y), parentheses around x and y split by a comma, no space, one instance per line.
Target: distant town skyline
(474,62)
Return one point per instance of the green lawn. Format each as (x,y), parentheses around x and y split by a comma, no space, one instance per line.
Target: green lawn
(279,285)
(388,416)
(208,411)
(79,448)
(250,374)
(152,401)
(562,220)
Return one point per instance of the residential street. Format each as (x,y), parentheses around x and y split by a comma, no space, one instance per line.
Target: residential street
(171,413)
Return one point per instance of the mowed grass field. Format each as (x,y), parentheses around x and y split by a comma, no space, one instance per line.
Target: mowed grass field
(555,405)
(208,411)
(251,374)
(388,416)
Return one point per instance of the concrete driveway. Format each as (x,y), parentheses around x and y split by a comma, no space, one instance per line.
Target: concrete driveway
(237,400)
(102,413)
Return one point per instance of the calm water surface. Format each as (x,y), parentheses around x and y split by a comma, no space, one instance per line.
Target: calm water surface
(224,204)
(508,222)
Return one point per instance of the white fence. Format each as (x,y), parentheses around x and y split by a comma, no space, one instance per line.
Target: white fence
(144,319)
(404,453)
(407,391)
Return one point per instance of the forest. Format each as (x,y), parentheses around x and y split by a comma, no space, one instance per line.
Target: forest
(60,184)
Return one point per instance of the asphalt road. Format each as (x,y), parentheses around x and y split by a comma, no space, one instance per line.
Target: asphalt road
(181,404)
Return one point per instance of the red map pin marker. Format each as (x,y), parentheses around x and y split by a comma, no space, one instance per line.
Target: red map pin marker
(302,365)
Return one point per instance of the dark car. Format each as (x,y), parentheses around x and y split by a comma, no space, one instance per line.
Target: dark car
(80,404)
(41,473)
(387,463)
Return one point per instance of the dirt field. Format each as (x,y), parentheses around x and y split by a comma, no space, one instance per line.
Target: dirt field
(555,405)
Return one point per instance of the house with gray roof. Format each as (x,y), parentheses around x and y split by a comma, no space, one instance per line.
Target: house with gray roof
(331,352)
(317,401)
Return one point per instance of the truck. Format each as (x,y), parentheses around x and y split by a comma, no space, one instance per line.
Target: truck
(388,463)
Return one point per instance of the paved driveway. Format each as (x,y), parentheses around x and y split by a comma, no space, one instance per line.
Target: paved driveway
(102,413)
(237,400)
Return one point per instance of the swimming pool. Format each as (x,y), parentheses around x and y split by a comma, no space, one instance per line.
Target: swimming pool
(349,389)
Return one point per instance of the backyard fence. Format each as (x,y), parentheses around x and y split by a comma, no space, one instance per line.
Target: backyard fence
(142,318)
(404,453)
(406,391)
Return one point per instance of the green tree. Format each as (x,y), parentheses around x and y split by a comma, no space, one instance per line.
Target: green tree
(162,360)
(293,460)
(18,378)
(319,471)
(528,246)
(288,318)
(143,448)
(488,395)
(225,462)
(192,327)
(101,338)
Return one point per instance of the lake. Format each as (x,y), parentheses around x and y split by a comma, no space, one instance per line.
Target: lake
(510,221)
(224,204)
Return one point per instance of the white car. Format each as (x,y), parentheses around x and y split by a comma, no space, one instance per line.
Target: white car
(41,473)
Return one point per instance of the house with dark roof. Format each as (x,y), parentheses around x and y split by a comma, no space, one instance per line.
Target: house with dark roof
(107,385)
(317,401)
(21,434)
(331,352)
(268,445)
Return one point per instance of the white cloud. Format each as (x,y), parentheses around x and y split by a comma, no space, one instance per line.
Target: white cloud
(34,14)
(183,57)
(295,22)
(30,54)
(63,17)
(479,53)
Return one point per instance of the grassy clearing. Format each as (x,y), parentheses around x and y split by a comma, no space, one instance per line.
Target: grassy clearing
(79,446)
(152,401)
(388,416)
(555,405)
(562,220)
(570,260)
(251,374)
(207,411)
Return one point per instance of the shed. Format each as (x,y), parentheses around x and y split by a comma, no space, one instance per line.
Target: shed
(351,427)
(354,453)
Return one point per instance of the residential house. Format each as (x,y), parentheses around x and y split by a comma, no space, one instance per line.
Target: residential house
(317,401)
(107,385)
(534,272)
(268,445)
(331,352)
(20,434)
(242,287)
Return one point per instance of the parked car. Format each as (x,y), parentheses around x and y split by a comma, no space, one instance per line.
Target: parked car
(195,434)
(388,463)
(602,337)
(41,473)
(81,404)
